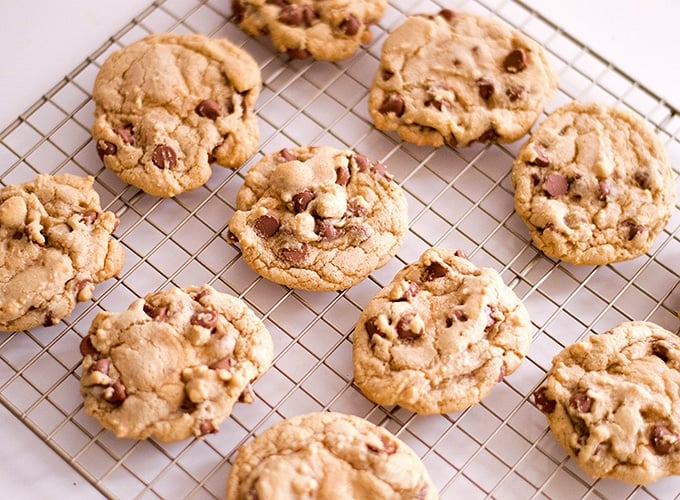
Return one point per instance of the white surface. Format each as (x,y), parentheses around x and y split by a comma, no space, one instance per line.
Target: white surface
(42,41)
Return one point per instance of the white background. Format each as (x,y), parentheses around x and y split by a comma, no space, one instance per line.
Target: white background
(43,40)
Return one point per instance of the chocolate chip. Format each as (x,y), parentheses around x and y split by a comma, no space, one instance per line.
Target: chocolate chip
(543,402)
(206,318)
(125,133)
(452,141)
(642,179)
(89,217)
(633,228)
(662,439)
(447,14)
(287,155)
(164,156)
(489,135)
(435,270)
(461,254)
(388,446)
(459,315)
(405,327)
(411,290)
(380,169)
(116,393)
(393,103)
(555,185)
(208,109)
(604,190)
(239,10)
(106,148)
(101,366)
(298,54)
(206,427)
(485,88)
(387,74)
(515,61)
(580,402)
(266,225)
(308,14)
(438,104)
(295,255)
(541,159)
(372,328)
(326,230)
(501,374)
(222,364)
(490,318)
(515,93)
(155,313)
(301,200)
(660,351)
(355,209)
(86,347)
(342,176)
(49,319)
(350,25)
(247,395)
(362,162)
(292,15)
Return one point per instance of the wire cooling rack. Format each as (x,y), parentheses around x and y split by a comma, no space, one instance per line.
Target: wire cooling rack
(499,448)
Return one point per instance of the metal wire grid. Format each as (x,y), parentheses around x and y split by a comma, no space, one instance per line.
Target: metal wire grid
(500,448)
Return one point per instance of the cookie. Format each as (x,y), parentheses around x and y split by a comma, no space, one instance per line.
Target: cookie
(612,402)
(456,78)
(168,106)
(318,218)
(593,184)
(174,364)
(56,244)
(440,336)
(328,455)
(329,30)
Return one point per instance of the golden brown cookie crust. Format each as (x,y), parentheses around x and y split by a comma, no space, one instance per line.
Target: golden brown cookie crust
(440,336)
(168,106)
(56,244)
(612,402)
(593,184)
(173,365)
(328,455)
(456,78)
(318,218)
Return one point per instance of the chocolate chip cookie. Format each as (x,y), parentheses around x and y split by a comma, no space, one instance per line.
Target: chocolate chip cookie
(174,364)
(328,30)
(168,106)
(328,455)
(56,244)
(440,336)
(612,402)
(456,78)
(593,184)
(318,218)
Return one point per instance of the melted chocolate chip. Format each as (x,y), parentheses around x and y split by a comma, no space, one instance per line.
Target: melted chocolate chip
(404,327)
(411,290)
(106,148)
(460,253)
(116,393)
(604,190)
(89,217)
(301,201)
(485,88)
(541,159)
(164,156)
(362,162)
(372,328)
(501,374)
(101,366)
(386,74)
(490,318)
(292,15)
(266,225)
(515,61)
(633,228)
(287,155)
(355,209)
(393,103)
(459,315)
(380,169)
(543,402)
(388,447)
(126,134)
(222,364)
(580,402)
(642,179)
(350,25)
(86,347)
(447,14)
(489,135)
(662,439)
(435,270)
(206,427)
(208,109)
(155,313)
(515,93)
(660,351)
(298,54)
(342,176)
(295,255)
(555,185)
(452,141)
(239,10)
(206,318)
(326,230)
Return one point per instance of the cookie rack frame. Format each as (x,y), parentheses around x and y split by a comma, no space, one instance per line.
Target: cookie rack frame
(500,448)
